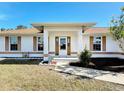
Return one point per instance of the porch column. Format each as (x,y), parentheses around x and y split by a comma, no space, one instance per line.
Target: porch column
(45,39)
(80,41)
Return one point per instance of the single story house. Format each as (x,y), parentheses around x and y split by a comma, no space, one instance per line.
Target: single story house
(58,39)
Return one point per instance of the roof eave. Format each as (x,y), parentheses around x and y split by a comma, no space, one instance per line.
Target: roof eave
(64,24)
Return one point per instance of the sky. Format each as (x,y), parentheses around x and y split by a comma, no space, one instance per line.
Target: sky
(25,13)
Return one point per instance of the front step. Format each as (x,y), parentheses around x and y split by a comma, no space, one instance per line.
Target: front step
(63,60)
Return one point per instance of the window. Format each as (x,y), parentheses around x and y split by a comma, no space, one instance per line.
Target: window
(13,43)
(40,43)
(97,44)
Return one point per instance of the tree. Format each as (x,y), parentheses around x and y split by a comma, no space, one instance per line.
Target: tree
(21,27)
(117,29)
(2,29)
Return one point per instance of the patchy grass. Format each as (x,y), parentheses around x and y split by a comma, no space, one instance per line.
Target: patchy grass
(34,77)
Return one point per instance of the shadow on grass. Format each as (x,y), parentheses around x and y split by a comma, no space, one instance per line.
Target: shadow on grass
(20,61)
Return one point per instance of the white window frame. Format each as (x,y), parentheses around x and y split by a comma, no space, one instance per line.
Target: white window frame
(10,44)
(101,43)
(37,44)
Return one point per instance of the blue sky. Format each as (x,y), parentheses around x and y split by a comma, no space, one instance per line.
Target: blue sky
(13,14)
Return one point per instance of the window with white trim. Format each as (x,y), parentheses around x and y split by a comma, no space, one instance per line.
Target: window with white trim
(40,43)
(13,43)
(97,43)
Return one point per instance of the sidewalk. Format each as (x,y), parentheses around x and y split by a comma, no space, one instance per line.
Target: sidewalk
(92,73)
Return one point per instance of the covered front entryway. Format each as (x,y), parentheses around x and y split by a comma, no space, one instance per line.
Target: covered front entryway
(62,45)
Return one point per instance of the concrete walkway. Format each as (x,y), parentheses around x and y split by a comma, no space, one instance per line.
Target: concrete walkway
(92,73)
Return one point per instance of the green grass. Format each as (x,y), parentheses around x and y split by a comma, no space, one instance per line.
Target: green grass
(34,77)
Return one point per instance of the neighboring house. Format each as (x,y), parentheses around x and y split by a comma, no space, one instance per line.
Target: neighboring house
(60,39)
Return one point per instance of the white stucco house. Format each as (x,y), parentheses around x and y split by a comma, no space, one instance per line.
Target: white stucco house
(58,39)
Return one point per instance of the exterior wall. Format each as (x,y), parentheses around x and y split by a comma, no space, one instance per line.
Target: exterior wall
(26,46)
(86,42)
(20,55)
(112,48)
(63,28)
(2,43)
(10,55)
(111,45)
(108,56)
(26,43)
(73,32)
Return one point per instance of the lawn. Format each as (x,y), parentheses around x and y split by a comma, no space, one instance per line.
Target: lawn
(34,77)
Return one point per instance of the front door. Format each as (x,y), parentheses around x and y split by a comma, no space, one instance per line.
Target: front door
(63,46)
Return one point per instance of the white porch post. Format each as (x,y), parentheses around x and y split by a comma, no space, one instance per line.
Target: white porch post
(80,41)
(45,39)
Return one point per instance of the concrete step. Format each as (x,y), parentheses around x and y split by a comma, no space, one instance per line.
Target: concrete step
(63,61)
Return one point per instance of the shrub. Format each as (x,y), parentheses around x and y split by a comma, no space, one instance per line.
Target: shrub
(84,57)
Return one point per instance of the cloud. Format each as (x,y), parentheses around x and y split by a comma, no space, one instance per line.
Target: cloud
(3,17)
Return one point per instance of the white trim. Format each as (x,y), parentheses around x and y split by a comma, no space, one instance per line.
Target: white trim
(101,44)
(37,43)
(80,40)
(45,45)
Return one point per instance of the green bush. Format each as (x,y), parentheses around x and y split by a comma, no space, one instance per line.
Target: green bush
(85,57)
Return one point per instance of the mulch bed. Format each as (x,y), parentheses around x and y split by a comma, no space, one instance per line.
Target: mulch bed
(107,67)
